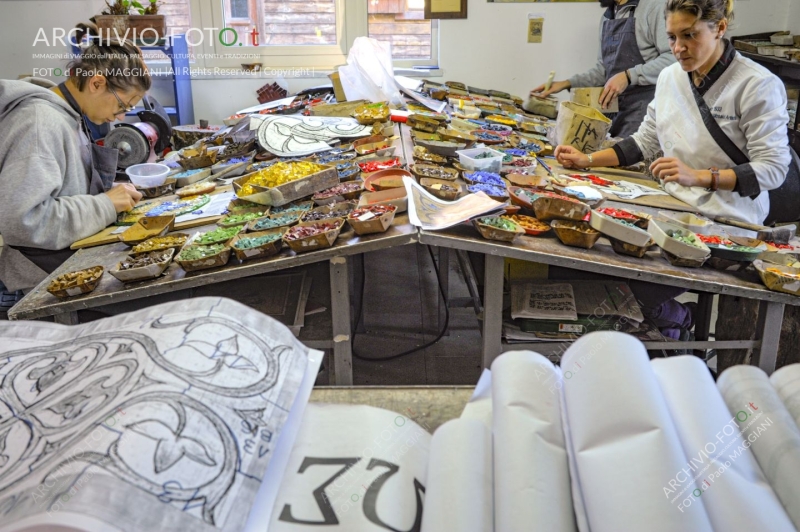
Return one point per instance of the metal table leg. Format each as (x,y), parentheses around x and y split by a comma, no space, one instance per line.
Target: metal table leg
(492,309)
(444,279)
(340,308)
(702,323)
(768,330)
(67,318)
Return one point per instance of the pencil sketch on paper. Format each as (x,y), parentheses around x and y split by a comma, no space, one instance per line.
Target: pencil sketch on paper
(171,409)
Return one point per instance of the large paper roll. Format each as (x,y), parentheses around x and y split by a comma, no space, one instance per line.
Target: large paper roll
(733,488)
(625,443)
(458,495)
(786,382)
(773,436)
(532,485)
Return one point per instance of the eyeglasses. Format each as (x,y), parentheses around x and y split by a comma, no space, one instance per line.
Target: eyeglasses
(122,107)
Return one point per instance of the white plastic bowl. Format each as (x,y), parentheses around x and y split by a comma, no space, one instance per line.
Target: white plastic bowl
(148,175)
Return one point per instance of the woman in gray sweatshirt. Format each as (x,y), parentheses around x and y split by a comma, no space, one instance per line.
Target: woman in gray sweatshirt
(56,185)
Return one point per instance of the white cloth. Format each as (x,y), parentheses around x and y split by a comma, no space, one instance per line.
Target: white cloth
(749,103)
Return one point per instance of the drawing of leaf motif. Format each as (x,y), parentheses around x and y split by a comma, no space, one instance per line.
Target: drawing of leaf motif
(171,447)
(229,346)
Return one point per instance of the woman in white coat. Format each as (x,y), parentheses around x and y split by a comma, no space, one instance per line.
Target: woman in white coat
(720,120)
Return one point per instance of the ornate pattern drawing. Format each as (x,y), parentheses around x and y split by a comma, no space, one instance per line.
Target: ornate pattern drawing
(291,136)
(163,417)
(431,213)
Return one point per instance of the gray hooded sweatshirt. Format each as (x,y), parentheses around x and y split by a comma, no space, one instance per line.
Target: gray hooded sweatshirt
(44,177)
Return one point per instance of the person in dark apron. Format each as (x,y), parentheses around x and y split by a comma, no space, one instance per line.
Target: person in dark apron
(56,185)
(628,64)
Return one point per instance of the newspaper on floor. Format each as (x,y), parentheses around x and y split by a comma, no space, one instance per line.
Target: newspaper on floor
(165,418)
(433,214)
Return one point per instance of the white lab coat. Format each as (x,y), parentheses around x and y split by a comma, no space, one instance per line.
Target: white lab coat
(749,103)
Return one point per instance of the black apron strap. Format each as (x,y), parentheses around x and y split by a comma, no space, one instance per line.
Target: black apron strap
(719,136)
(784,201)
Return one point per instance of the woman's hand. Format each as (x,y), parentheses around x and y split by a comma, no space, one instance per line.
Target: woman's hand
(614,87)
(124,197)
(557,86)
(569,157)
(672,170)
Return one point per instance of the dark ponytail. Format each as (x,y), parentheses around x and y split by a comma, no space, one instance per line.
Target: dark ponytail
(119,61)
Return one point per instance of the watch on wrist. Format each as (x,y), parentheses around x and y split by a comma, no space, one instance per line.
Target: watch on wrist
(628,75)
(591,159)
(714,179)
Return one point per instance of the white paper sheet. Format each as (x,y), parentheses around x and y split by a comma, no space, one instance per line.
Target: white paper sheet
(786,382)
(774,442)
(432,214)
(261,513)
(216,207)
(459,491)
(479,406)
(160,419)
(625,443)
(532,484)
(732,486)
(351,468)
(269,105)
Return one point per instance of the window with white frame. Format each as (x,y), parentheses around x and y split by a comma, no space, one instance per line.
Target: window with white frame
(301,33)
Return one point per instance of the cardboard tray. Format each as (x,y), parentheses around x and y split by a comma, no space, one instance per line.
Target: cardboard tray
(549,208)
(168,187)
(183,237)
(83,288)
(288,192)
(263,213)
(213,261)
(315,242)
(327,209)
(265,250)
(494,233)
(447,195)
(570,236)
(776,281)
(190,179)
(624,248)
(292,219)
(683,262)
(422,170)
(146,272)
(195,242)
(146,228)
(378,224)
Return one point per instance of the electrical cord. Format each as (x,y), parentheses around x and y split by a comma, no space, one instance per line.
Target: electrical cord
(410,351)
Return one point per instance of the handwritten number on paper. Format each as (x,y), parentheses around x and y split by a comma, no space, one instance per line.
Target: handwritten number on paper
(371,496)
(266,435)
(328,515)
(248,446)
